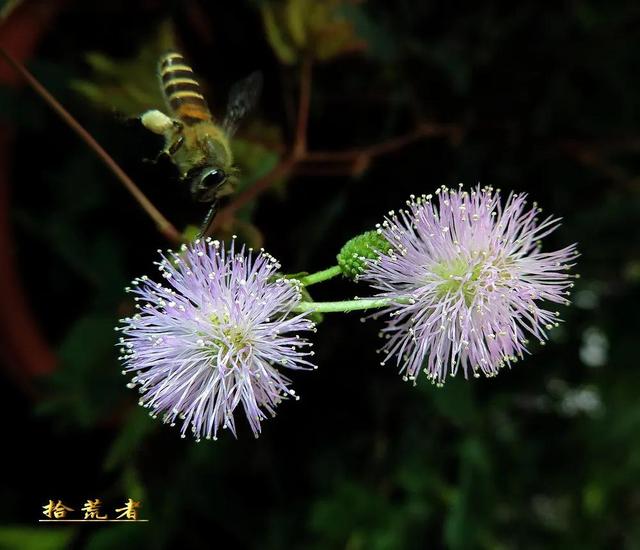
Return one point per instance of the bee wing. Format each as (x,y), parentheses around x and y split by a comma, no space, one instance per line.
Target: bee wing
(242,98)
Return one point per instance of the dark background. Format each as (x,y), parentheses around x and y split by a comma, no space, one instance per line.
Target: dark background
(531,96)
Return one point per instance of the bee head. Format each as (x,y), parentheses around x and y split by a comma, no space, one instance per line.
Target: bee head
(206,182)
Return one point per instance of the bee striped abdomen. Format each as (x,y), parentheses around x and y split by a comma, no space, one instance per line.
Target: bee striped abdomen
(181,89)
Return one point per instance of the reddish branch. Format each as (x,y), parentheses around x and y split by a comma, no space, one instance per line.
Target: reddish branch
(595,157)
(24,348)
(226,215)
(322,163)
(454,133)
(300,139)
(27,350)
(164,226)
(355,161)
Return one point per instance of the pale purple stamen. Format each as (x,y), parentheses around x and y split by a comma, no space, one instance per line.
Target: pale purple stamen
(217,335)
(469,282)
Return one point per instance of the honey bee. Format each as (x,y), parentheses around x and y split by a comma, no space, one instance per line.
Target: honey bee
(196,144)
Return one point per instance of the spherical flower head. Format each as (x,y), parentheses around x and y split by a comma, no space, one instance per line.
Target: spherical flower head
(216,336)
(468,282)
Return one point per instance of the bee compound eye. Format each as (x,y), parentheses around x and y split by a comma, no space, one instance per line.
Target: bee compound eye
(212,178)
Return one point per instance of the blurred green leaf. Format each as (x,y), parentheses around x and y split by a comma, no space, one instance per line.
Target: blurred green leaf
(132,484)
(124,535)
(254,159)
(129,86)
(35,538)
(466,515)
(137,427)
(85,388)
(286,53)
(454,401)
(353,517)
(299,28)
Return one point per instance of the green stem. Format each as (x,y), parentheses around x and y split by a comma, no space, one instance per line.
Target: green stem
(320,276)
(345,305)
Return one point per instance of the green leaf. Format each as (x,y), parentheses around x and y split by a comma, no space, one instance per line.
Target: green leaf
(381,42)
(254,159)
(124,535)
(463,524)
(454,401)
(134,431)
(88,383)
(36,538)
(285,53)
(132,484)
(191,233)
(129,86)
(295,11)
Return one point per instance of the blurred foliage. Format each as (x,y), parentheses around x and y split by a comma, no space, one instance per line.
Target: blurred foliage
(132,86)
(129,87)
(34,538)
(546,455)
(306,28)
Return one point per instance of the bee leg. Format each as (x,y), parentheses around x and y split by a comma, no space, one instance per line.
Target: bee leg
(206,224)
(161,124)
(159,157)
(175,146)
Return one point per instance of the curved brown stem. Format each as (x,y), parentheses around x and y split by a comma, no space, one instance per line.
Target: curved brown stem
(426,129)
(164,226)
(225,215)
(25,350)
(304,101)
(350,162)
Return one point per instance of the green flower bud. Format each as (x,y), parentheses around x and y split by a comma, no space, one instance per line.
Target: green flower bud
(353,255)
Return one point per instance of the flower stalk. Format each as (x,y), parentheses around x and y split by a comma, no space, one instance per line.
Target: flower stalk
(347,305)
(460,280)
(320,276)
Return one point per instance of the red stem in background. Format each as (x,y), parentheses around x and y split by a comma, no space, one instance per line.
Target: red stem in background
(26,351)
(300,160)
(304,101)
(225,216)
